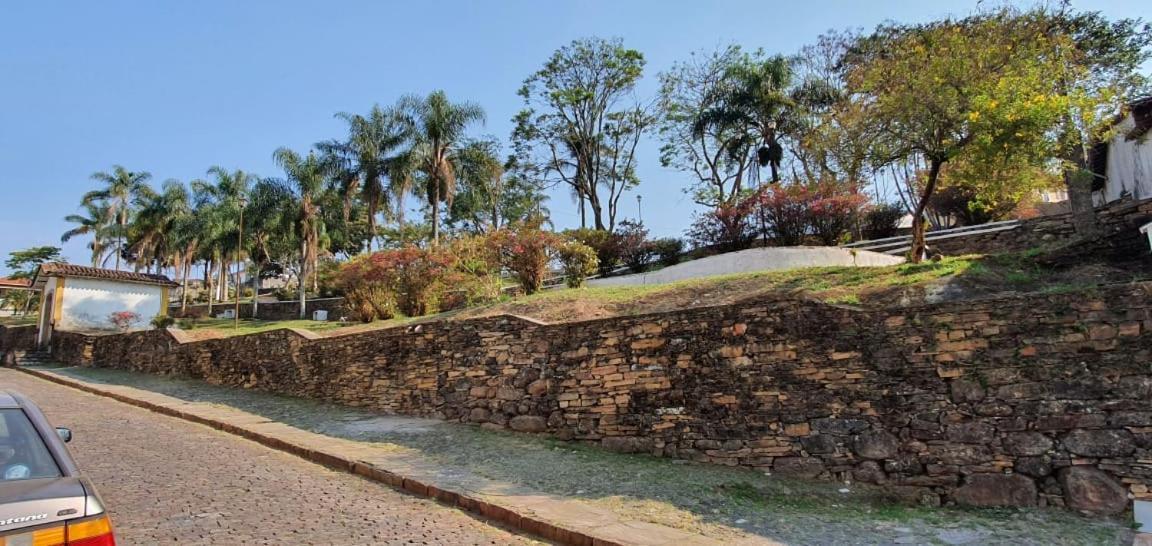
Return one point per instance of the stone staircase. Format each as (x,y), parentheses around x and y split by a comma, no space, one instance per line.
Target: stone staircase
(33,358)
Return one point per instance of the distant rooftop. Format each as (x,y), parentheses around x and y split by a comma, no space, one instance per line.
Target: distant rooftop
(15,283)
(85,272)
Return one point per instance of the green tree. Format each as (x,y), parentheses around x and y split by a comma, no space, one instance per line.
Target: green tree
(1098,70)
(716,154)
(23,263)
(950,87)
(122,188)
(152,235)
(581,123)
(492,193)
(306,176)
(364,159)
(756,102)
(437,128)
(94,223)
(219,202)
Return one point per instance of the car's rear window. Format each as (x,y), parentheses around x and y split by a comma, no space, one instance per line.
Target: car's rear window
(23,455)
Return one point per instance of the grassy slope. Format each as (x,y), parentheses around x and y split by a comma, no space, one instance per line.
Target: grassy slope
(966,276)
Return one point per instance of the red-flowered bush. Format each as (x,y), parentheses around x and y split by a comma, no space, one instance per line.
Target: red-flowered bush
(819,212)
(726,228)
(525,251)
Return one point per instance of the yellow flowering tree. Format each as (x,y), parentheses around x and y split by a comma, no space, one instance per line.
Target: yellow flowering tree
(956,88)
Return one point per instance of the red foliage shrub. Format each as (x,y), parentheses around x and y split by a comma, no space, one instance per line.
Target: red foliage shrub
(726,228)
(525,250)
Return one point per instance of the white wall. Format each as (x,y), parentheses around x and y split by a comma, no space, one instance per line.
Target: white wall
(87,303)
(1129,164)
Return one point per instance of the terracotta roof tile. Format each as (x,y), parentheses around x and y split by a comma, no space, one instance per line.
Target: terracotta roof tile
(15,283)
(70,270)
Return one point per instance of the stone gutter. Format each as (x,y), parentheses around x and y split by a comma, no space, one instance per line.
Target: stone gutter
(549,517)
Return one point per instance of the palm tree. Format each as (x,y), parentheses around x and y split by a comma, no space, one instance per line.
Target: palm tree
(760,102)
(306,175)
(437,126)
(121,189)
(95,223)
(483,175)
(363,160)
(219,209)
(268,225)
(151,231)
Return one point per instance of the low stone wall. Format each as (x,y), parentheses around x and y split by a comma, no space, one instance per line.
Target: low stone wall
(280,310)
(14,340)
(1120,223)
(1029,400)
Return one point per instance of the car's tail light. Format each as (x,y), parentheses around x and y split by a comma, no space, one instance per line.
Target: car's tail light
(94,531)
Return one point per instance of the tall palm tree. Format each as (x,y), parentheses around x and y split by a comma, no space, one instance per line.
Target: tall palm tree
(95,223)
(437,127)
(363,160)
(152,233)
(759,100)
(268,226)
(122,188)
(483,175)
(306,176)
(220,199)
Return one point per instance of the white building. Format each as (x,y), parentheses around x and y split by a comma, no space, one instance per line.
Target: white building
(1128,160)
(79,298)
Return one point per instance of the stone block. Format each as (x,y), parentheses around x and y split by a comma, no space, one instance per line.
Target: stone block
(528,423)
(1100,443)
(970,433)
(1090,490)
(1027,443)
(876,445)
(986,490)
(801,467)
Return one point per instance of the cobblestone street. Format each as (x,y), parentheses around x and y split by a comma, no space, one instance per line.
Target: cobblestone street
(169,481)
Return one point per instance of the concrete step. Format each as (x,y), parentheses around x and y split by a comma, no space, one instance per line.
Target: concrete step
(33,359)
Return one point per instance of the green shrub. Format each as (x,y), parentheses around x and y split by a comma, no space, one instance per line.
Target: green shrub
(606,245)
(668,250)
(882,221)
(578,261)
(162,321)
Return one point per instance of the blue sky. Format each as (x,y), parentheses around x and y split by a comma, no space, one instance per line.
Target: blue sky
(175,87)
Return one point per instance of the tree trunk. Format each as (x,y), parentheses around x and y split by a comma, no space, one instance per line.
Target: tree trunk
(187,266)
(208,285)
(223,280)
(256,292)
(916,254)
(302,282)
(1079,183)
(436,213)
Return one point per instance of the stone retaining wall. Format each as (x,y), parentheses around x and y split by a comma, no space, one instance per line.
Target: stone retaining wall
(280,310)
(15,339)
(1120,223)
(1027,400)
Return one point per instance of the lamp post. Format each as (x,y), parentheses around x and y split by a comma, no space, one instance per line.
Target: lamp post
(239,243)
(639,211)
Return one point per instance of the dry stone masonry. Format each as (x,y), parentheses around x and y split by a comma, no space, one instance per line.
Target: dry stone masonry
(1042,399)
(1120,223)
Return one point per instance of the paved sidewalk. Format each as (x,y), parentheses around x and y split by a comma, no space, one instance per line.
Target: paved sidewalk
(572,493)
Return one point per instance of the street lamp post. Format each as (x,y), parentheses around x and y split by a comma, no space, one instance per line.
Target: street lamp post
(239,244)
(639,211)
